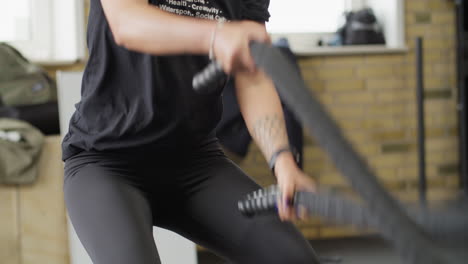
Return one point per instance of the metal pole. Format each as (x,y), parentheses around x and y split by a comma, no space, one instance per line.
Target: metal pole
(420,113)
(462,96)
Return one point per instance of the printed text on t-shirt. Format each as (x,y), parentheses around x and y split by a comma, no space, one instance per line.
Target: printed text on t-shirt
(193,8)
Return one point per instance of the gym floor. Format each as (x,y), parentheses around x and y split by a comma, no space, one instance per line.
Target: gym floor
(359,250)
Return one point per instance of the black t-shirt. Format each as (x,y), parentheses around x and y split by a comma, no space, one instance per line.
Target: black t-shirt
(131,99)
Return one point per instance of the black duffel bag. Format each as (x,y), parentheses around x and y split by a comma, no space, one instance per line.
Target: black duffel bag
(361,28)
(27,92)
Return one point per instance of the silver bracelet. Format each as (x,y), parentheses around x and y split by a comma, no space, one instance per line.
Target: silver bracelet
(219,25)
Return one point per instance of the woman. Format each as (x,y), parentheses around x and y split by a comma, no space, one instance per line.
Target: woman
(141,149)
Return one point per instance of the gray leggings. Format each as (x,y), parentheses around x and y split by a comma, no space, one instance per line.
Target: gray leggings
(114,200)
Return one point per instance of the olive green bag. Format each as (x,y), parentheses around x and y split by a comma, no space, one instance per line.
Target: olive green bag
(22,82)
(20,149)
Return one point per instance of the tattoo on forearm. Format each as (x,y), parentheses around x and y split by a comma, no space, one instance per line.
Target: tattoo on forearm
(270,133)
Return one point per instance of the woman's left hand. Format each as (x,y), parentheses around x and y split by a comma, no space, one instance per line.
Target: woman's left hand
(290,179)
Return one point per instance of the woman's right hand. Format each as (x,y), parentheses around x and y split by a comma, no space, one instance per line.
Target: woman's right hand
(231,45)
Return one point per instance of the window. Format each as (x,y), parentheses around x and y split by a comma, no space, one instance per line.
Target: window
(15,25)
(46,31)
(302,16)
(305,23)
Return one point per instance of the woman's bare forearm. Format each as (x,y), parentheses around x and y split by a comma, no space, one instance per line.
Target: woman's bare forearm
(142,27)
(263,114)
(262,111)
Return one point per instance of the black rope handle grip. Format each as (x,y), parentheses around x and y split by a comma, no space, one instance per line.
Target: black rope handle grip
(210,79)
(329,206)
(262,201)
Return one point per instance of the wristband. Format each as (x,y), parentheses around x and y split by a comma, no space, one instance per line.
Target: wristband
(275,156)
